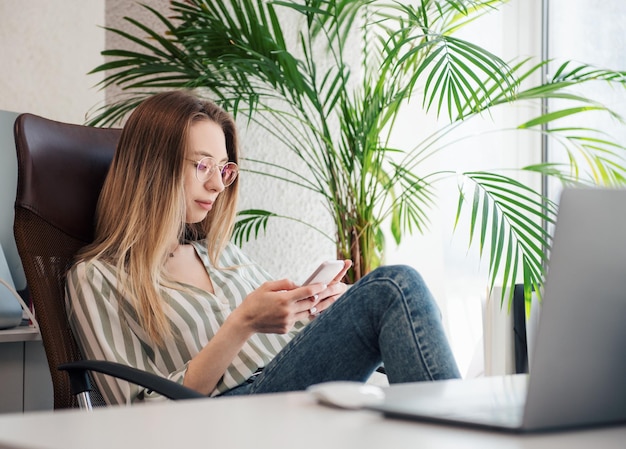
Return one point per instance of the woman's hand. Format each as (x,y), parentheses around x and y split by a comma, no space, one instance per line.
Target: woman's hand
(333,291)
(276,306)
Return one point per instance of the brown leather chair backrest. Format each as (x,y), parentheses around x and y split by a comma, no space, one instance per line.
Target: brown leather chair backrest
(61,168)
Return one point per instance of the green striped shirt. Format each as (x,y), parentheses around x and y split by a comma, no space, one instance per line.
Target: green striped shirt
(106,325)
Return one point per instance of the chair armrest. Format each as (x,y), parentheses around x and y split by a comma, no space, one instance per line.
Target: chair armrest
(79,381)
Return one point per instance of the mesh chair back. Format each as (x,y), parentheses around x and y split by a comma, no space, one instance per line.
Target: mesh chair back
(61,169)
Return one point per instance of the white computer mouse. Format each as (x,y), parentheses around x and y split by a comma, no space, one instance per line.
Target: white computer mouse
(346,394)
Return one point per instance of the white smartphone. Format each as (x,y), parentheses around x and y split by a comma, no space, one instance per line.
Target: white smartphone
(326,272)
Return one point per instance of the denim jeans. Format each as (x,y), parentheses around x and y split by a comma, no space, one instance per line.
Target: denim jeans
(387,317)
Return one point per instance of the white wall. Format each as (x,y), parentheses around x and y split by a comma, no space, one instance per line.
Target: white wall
(46,49)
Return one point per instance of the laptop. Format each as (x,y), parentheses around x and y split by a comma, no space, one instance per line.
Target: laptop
(578,367)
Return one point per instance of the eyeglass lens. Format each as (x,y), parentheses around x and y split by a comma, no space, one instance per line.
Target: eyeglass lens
(207,166)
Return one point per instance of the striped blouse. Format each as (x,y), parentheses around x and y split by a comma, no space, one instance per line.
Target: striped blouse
(106,326)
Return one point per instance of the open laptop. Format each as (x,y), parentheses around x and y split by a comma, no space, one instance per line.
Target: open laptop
(578,369)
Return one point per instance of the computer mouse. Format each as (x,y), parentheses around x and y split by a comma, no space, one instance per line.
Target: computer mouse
(347,394)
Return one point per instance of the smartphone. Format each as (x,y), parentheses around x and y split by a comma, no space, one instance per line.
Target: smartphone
(326,272)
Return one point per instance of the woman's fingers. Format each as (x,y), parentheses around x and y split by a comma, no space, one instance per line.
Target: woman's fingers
(346,266)
(276,306)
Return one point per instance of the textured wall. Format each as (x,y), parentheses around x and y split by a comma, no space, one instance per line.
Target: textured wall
(46,48)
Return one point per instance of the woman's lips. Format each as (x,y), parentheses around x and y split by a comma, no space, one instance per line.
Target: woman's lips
(206,205)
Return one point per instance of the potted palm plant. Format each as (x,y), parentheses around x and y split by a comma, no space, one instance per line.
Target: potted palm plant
(332,93)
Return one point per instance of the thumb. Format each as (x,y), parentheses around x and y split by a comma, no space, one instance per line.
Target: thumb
(278,285)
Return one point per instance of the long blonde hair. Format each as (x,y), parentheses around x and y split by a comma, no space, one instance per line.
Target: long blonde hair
(141,207)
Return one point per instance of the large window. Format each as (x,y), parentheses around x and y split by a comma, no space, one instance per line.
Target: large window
(591,31)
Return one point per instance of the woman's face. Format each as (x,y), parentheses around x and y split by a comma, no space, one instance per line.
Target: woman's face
(206,139)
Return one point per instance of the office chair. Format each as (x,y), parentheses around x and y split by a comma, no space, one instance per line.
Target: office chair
(61,169)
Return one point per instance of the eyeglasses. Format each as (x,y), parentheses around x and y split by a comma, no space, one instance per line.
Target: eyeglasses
(206,166)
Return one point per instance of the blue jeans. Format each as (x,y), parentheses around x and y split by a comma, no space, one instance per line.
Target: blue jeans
(387,317)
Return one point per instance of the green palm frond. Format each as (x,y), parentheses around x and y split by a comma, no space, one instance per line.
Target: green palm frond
(252,223)
(409,209)
(508,218)
(602,159)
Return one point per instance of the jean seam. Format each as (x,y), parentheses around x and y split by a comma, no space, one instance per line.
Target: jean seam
(409,321)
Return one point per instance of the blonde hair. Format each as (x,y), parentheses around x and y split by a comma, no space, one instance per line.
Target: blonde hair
(141,207)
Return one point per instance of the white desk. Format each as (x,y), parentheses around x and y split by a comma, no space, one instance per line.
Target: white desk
(291,420)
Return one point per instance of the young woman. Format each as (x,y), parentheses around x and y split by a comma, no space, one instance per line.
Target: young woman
(162,289)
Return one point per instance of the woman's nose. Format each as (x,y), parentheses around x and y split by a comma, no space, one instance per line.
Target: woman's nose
(215,182)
